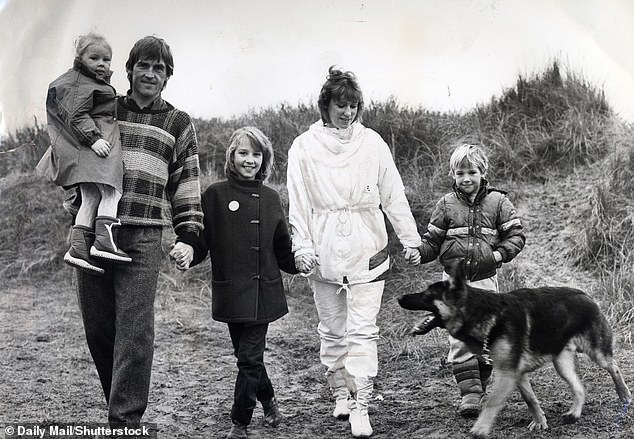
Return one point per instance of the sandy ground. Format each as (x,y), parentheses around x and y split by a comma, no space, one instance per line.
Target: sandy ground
(47,375)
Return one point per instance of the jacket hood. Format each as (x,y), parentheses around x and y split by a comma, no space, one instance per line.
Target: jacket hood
(84,70)
(484,189)
(338,141)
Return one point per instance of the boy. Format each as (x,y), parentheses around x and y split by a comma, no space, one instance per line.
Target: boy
(476,223)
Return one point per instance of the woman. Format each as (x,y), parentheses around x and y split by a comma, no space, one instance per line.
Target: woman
(341,178)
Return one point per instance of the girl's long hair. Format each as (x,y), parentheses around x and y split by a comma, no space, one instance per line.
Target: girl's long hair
(259,141)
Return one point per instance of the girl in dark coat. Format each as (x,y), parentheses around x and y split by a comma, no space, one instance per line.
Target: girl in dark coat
(86,151)
(246,235)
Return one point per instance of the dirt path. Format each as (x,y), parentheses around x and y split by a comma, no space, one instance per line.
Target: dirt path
(47,375)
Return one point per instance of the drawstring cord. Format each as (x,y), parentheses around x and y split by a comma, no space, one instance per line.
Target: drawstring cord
(344,286)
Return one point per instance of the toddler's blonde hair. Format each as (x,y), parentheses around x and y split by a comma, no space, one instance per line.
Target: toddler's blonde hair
(83,41)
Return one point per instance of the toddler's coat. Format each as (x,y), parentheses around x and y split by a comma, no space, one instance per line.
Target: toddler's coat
(81,109)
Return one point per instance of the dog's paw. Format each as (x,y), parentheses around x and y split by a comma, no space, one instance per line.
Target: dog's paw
(426,325)
(478,432)
(569,418)
(534,425)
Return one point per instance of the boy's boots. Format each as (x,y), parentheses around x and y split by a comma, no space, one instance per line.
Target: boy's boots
(81,238)
(470,384)
(104,246)
(272,415)
(238,431)
(359,419)
(339,389)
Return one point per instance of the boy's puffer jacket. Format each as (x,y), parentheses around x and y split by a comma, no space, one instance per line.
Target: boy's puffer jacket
(459,230)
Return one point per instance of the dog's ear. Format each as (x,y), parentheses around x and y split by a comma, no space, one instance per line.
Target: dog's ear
(457,275)
(457,282)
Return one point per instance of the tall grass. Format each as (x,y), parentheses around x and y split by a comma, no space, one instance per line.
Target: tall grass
(21,151)
(606,243)
(547,122)
(33,227)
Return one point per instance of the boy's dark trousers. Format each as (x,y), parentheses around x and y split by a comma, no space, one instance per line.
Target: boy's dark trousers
(252,383)
(118,313)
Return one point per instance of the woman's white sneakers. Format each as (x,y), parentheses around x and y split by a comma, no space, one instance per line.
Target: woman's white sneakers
(360,423)
(342,408)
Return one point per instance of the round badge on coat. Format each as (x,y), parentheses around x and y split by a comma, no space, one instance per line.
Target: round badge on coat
(234,205)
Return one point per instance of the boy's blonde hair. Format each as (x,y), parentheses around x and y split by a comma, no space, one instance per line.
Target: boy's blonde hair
(260,142)
(468,155)
(83,41)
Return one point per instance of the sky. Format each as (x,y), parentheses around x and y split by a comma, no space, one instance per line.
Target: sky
(232,56)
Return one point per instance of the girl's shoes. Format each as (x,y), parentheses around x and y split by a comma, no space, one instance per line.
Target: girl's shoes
(272,415)
(238,431)
(104,246)
(81,238)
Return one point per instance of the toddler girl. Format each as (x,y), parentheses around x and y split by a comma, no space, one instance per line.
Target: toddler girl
(85,151)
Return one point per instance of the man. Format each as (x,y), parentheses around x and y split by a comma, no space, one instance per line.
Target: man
(161,187)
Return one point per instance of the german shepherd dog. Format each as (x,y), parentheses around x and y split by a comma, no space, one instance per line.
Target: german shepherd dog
(519,331)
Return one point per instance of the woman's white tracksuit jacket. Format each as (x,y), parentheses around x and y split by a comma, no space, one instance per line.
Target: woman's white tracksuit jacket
(340,182)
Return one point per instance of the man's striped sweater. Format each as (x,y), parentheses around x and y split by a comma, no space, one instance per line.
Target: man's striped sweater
(160,153)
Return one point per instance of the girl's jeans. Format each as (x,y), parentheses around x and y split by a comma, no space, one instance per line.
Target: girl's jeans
(252,382)
(458,352)
(347,327)
(118,313)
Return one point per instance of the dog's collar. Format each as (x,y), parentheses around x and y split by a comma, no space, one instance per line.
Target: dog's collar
(486,354)
(485,351)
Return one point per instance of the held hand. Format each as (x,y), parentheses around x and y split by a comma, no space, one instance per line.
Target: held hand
(182,254)
(301,265)
(306,263)
(412,255)
(498,256)
(101,147)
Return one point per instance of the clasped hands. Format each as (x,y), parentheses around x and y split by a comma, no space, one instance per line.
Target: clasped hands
(182,254)
(412,255)
(306,263)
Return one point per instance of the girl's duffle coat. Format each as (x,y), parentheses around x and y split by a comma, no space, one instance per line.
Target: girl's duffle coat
(246,235)
(80,110)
